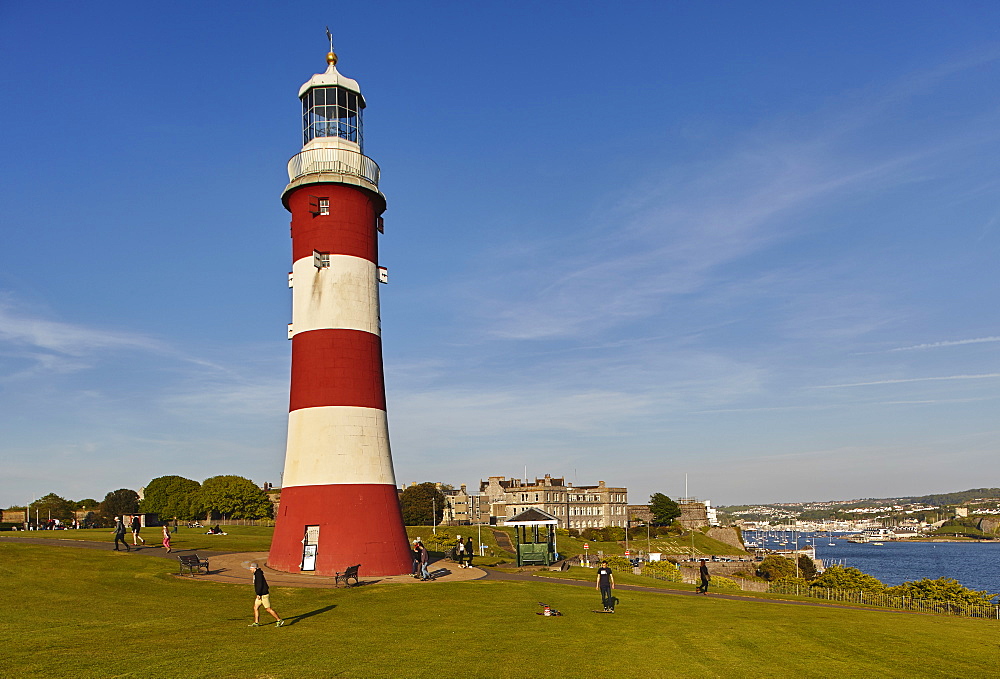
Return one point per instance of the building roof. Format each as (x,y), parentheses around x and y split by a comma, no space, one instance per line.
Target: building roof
(331,78)
(532,517)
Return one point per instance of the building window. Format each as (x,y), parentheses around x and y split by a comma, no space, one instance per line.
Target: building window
(324,206)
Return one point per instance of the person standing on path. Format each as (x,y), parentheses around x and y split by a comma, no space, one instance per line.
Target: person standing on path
(260,588)
(119,531)
(705,577)
(460,552)
(166,537)
(415,557)
(136,525)
(468,552)
(424,559)
(606,583)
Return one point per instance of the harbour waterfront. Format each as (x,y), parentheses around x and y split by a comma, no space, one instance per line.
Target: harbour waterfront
(974,564)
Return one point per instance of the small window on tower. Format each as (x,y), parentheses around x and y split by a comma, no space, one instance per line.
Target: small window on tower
(319,206)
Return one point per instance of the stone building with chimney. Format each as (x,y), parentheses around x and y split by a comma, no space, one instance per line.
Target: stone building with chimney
(576,507)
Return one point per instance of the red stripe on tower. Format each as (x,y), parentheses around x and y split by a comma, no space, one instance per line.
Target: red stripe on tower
(339,505)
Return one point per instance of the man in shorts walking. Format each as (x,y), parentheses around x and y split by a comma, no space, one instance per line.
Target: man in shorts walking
(263,597)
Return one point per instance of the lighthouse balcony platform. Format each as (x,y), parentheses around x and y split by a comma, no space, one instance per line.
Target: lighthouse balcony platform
(333,164)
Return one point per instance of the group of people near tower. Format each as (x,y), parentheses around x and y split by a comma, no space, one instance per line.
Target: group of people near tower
(462,553)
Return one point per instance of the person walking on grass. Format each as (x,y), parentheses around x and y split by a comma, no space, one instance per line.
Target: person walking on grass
(136,525)
(705,577)
(166,537)
(606,583)
(119,531)
(263,597)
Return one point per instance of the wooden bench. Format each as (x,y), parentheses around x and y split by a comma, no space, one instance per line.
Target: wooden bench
(192,562)
(344,577)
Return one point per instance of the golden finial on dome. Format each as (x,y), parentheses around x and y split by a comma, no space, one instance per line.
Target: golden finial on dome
(331,56)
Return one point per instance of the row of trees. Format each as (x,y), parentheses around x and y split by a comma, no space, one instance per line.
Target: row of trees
(231,496)
(167,496)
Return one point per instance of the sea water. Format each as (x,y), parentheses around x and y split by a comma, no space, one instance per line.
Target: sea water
(974,564)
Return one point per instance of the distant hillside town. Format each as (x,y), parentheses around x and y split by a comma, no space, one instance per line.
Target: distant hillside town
(970,509)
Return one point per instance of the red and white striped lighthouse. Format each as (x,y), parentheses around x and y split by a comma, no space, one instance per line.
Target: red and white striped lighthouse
(339,505)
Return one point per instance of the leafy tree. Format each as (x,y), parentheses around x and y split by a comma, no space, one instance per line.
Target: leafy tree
(418,501)
(807,567)
(663,508)
(839,577)
(775,567)
(172,497)
(119,502)
(942,589)
(54,506)
(235,497)
(89,503)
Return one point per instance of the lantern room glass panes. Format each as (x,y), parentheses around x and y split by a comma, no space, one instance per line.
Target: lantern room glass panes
(332,112)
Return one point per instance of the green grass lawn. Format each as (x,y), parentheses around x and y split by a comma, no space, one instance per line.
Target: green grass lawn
(258,539)
(239,538)
(83,613)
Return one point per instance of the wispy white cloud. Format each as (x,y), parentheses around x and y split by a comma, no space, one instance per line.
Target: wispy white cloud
(22,329)
(984,376)
(948,343)
(44,346)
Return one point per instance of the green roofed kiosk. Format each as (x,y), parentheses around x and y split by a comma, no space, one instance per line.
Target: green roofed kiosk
(539,550)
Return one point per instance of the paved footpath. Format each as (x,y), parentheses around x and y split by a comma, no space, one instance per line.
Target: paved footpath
(233,567)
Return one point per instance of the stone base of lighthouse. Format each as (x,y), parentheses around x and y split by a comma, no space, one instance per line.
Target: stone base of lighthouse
(347,524)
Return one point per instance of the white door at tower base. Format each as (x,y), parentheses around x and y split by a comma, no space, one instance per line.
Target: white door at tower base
(310,544)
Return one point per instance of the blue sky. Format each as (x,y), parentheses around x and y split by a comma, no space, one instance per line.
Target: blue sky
(754,243)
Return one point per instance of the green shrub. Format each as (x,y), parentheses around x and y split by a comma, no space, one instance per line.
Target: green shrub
(662,570)
(618,563)
(607,534)
(719,582)
(942,589)
(839,577)
(775,567)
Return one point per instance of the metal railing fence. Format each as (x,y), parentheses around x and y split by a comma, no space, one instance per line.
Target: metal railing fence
(881,599)
(851,596)
(338,161)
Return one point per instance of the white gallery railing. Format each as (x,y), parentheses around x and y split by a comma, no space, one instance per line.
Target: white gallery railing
(338,161)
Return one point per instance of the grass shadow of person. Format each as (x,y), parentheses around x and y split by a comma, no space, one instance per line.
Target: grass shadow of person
(293,619)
